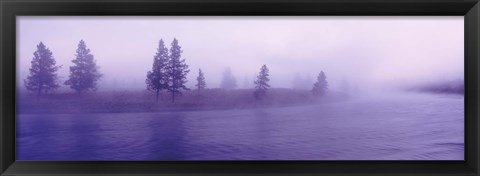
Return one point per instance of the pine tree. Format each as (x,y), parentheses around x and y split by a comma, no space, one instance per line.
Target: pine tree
(84,73)
(228,81)
(261,84)
(177,70)
(158,79)
(43,72)
(320,87)
(200,81)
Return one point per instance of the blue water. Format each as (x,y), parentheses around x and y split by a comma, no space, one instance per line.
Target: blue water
(410,127)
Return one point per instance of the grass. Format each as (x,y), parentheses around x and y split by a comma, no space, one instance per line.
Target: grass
(144,101)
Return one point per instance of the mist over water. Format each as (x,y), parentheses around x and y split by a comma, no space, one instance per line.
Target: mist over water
(395,89)
(397,127)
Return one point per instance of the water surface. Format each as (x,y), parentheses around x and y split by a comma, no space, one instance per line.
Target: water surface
(407,127)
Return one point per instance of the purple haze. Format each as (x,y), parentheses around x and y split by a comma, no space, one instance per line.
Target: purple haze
(395,89)
(368,51)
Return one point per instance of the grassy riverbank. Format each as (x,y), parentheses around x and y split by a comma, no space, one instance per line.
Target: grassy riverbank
(144,101)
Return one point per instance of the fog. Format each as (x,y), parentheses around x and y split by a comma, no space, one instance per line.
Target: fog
(359,56)
(368,52)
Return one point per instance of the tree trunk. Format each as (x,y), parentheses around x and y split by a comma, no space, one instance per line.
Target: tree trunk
(157,94)
(173,96)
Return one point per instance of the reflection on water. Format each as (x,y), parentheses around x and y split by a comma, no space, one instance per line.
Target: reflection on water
(415,127)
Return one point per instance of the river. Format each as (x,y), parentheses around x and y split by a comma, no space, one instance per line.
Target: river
(400,127)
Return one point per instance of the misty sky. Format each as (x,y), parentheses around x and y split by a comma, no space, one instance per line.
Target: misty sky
(367,51)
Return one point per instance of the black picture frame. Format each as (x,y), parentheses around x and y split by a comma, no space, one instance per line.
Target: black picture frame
(9,9)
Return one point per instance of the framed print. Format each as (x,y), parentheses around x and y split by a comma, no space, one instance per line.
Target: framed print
(254,87)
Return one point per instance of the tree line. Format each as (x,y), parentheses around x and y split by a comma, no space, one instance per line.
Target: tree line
(169,73)
(43,76)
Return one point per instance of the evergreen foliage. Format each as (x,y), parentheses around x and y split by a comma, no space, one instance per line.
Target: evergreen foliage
(261,84)
(320,87)
(177,70)
(228,81)
(158,78)
(201,84)
(84,73)
(43,72)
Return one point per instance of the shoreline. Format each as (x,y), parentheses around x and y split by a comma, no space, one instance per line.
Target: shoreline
(143,101)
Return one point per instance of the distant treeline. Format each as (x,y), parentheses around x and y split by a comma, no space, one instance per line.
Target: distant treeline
(447,87)
(168,74)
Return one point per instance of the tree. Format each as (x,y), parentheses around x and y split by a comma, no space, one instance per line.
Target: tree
(84,73)
(321,86)
(43,72)
(228,81)
(158,78)
(261,84)
(200,81)
(177,70)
